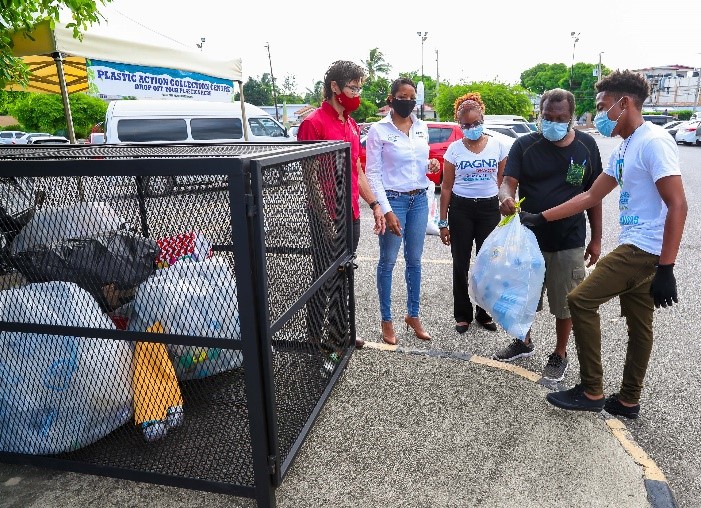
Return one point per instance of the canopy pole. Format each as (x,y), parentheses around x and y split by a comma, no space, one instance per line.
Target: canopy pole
(64,94)
(243,111)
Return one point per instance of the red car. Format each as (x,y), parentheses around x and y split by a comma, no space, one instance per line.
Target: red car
(440,135)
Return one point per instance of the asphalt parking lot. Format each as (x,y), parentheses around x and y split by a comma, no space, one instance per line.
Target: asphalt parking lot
(431,394)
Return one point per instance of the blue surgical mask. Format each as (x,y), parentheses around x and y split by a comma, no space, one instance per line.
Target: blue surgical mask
(554,131)
(604,124)
(474,133)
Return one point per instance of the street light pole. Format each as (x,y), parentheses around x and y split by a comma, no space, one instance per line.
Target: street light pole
(272,78)
(423,38)
(598,72)
(574,36)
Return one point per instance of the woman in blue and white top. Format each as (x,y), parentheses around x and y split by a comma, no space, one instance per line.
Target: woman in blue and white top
(396,165)
(472,170)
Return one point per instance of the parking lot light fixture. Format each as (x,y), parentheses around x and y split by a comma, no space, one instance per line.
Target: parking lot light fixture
(423,36)
(575,37)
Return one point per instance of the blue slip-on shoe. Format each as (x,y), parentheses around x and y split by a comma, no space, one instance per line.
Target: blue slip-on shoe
(575,400)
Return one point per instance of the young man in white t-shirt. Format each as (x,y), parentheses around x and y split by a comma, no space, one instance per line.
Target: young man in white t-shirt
(639,271)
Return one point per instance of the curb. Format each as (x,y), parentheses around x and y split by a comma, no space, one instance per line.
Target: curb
(659,493)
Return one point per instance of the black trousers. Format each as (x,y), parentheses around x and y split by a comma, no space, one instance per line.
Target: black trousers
(471,221)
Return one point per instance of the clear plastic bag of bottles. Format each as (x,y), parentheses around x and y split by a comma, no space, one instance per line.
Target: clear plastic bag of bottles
(506,277)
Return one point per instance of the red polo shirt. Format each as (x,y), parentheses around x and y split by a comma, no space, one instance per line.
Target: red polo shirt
(324,125)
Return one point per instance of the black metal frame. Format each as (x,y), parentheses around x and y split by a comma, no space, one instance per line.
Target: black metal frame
(245,185)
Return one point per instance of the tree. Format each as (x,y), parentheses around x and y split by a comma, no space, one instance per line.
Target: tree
(316,96)
(258,92)
(44,112)
(366,110)
(24,14)
(375,64)
(498,98)
(544,77)
(375,90)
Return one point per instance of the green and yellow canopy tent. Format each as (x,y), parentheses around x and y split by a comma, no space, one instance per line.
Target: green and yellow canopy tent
(60,63)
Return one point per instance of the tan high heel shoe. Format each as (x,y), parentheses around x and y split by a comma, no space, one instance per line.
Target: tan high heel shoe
(387,335)
(415,324)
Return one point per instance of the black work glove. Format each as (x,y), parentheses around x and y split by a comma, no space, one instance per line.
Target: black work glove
(664,286)
(531,219)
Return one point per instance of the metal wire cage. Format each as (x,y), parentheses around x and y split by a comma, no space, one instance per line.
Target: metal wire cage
(176,314)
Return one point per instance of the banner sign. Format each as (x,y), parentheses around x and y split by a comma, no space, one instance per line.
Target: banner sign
(110,80)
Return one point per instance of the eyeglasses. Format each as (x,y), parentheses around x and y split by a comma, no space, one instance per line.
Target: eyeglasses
(355,89)
(471,125)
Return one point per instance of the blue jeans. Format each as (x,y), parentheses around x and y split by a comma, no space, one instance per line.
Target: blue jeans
(412,212)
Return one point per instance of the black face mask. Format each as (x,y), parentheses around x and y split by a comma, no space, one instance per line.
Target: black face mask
(403,107)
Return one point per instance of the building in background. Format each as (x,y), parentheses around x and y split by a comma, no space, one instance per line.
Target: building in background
(672,87)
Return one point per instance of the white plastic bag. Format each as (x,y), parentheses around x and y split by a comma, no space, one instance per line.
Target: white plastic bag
(506,278)
(59,393)
(434,210)
(192,298)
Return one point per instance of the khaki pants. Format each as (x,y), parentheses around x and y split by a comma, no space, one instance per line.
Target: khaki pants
(627,273)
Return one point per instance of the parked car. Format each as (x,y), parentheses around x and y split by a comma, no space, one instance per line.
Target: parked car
(96,138)
(658,119)
(672,126)
(687,133)
(506,130)
(10,137)
(47,140)
(25,139)
(520,128)
(440,136)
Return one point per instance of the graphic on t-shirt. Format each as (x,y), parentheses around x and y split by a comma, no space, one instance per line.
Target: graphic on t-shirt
(476,169)
(575,172)
(619,171)
(623,201)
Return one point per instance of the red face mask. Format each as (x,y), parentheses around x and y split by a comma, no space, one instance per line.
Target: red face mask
(349,104)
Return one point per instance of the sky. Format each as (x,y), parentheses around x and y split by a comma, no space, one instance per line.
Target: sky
(475,41)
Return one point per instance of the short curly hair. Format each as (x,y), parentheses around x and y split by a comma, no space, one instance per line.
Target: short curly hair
(342,72)
(471,100)
(620,83)
(558,95)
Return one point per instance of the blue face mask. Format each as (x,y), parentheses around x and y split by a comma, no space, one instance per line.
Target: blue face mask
(554,131)
(604,124)
(474,133)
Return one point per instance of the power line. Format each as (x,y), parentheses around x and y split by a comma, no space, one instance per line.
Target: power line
(149,28)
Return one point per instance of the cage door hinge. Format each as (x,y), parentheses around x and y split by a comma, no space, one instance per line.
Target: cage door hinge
(251,208)
(271,463)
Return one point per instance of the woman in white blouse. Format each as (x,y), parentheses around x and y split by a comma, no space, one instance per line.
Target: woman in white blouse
(396,165)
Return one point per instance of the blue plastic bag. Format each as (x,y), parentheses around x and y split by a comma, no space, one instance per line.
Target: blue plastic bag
(506,277)
(59,393)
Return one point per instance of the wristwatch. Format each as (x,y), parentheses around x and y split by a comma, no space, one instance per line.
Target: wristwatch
(442,224)
(373,204)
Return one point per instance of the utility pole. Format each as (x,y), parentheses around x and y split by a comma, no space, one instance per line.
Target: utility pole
(272,78)
(698,89)
(598,72)
(423,38)
(201,43)
(437,77)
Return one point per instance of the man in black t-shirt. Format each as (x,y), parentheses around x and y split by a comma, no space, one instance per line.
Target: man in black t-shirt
(548,168)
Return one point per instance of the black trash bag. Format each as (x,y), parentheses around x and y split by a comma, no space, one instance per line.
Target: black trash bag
(71,245)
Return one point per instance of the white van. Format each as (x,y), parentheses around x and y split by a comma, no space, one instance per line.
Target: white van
(188,121)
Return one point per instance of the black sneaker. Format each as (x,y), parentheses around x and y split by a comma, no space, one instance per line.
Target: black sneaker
(614,407)
(517,349)
(575,400)
(555,368)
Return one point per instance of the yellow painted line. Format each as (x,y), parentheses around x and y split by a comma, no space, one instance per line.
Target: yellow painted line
(380,346)
(530,375)
(429,261)
(650,469)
